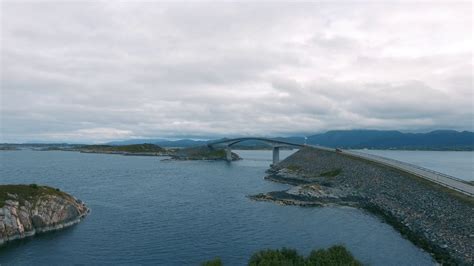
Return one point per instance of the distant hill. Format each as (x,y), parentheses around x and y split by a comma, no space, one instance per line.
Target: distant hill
(132,148)
(351,139)
(160,142)
(134,141)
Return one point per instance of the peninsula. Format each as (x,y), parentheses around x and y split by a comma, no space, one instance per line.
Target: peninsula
(26,210)
(437,219)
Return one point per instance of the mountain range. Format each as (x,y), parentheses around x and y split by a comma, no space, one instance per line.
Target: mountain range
(352,139)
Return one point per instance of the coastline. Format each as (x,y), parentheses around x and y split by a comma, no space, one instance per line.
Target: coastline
(419,240)
(25,214)
(42,230)
(439,221)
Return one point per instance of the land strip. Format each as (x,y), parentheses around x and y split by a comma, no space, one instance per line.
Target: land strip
(438,219)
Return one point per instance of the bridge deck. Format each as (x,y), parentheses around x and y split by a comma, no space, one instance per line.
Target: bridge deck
(231,142)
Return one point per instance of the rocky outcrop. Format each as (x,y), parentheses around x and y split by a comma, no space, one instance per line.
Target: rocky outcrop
(203,153)
(435,218)
(26,214)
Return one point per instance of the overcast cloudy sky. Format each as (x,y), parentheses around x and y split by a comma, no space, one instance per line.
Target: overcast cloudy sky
(102,70)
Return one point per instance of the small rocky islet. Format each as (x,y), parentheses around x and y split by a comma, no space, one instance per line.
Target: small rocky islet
(26,210)
(202,153)
(439,220)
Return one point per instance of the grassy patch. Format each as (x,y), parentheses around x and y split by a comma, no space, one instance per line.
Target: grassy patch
(293,168)
(26,192)
(331,173)
(217,153)
(202,153)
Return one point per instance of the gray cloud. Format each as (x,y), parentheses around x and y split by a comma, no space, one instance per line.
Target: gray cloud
(95,71)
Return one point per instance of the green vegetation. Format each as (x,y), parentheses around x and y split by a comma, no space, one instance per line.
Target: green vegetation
(277,257)
(217,153)
(25,192)
(134,148)
(214,262)
(202,153)
(335,255)
(293,167)
(331,173)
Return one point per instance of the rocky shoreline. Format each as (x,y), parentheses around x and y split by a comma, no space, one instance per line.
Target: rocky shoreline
(29,209)
(434,218)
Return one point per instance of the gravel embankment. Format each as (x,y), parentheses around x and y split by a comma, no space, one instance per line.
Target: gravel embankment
(435,218)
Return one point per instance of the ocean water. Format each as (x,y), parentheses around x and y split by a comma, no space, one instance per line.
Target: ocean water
(148,211)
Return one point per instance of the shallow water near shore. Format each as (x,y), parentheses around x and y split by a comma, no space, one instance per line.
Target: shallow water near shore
(147,211)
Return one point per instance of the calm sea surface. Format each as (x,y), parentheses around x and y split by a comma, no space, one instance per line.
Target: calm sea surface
(459,164)
(147,211)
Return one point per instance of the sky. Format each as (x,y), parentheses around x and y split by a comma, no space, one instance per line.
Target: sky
(96,71)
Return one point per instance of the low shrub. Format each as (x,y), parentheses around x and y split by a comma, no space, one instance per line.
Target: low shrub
(336,255)
(276,257)
(214,262)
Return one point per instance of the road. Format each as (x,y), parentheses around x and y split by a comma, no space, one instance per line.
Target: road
(433,176)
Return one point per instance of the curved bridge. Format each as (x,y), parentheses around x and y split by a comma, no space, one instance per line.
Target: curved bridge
(430,175)
(276,144)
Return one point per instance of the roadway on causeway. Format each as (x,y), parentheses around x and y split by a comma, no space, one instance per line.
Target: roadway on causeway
(433,176)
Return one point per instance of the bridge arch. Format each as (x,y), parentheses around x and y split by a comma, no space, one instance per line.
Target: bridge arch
(276,144)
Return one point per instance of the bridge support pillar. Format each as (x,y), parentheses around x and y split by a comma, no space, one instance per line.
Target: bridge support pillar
(276,155)
(228,154)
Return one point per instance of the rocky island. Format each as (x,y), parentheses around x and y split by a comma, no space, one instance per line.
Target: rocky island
(26,210)
(192,153)
(203,153)
(437,219)
(134,149)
